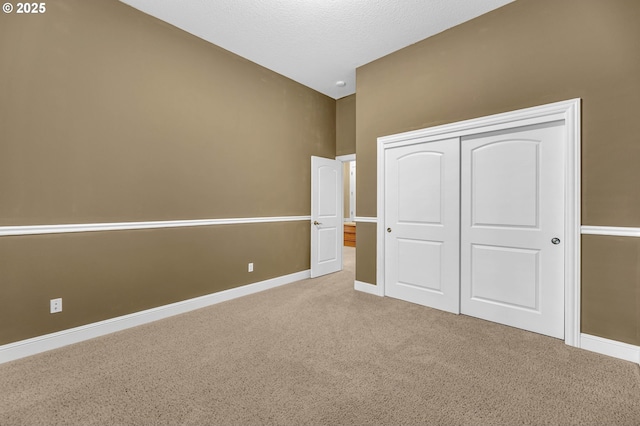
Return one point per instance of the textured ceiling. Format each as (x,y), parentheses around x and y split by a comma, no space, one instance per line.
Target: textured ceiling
(315,42)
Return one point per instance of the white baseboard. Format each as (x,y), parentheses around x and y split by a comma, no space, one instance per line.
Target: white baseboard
(600,345)
(24,348)
(610,347)
(47,342)
(368,288)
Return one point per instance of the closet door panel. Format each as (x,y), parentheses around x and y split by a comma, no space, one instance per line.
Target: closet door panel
(422,217)
(512,227)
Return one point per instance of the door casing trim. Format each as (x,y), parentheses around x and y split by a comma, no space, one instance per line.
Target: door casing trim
(569,111)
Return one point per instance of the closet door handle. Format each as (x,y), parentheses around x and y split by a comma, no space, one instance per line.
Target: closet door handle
(388,229)
(315,222)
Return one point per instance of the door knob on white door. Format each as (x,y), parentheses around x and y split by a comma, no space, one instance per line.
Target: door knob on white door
(388,229)
(315,222)
(555,241)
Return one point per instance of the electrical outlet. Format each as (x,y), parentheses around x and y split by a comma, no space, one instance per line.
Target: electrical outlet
(251,267)
(56,305)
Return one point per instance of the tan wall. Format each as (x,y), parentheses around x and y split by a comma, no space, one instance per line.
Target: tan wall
(528,53)
(101,275)
(610,287)
(109,115)
(365,251)
(346,125)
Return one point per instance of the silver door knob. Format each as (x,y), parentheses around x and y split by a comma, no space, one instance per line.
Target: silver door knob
(555,241)
(388,229)
(315,222)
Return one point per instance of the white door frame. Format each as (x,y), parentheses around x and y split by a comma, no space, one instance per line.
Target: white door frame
(569,111)
(347,159)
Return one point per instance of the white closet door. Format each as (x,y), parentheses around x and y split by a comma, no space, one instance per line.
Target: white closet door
(422,263)
(512,228)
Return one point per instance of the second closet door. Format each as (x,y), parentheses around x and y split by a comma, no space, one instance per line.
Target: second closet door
(512,228)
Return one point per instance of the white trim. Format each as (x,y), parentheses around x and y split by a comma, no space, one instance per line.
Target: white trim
(367,288)
(349,158)
(569,111)
(518,118)
(366,219)
(610,347)
(346,158)
(47,342)
(572,217)
(122,226)
(614,231)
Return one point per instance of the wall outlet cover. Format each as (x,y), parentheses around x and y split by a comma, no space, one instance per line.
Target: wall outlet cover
(55,305)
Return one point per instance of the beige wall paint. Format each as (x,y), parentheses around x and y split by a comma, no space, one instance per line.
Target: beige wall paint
(346,125)
(611,287)
(528,53)
(101,275)
(366,251)
(109,115)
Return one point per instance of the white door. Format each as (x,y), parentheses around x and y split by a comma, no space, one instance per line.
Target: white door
(422,208)
(326,216)
(512,227)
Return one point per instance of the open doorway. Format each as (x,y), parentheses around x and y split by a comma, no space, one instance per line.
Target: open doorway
(350,227)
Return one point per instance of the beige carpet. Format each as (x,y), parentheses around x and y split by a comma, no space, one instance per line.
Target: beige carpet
(318,352)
